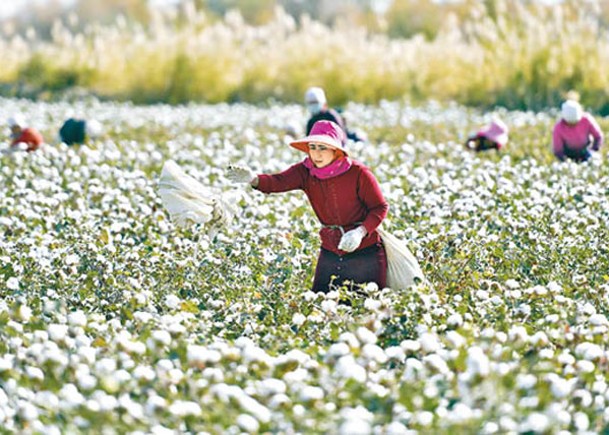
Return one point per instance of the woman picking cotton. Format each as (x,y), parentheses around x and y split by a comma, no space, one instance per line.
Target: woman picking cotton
(347,200)
(576,133)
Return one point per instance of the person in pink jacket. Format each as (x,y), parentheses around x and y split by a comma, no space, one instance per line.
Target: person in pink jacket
(575,134)
(347,200)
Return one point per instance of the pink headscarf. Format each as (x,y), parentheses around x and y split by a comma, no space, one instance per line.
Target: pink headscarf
(334,169)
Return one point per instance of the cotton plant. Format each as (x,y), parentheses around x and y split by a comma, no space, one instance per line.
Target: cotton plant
(104,298)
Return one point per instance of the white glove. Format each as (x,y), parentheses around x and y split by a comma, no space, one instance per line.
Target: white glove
(352,239)
(240,174)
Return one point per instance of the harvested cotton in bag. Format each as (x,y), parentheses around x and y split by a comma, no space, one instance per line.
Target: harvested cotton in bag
(190,202)
(402,267)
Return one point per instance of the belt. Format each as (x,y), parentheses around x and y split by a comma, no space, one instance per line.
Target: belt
(341,227)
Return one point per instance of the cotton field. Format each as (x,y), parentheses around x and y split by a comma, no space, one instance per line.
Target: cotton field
(113,320)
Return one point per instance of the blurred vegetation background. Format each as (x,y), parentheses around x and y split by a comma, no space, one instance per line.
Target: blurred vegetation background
(519,54)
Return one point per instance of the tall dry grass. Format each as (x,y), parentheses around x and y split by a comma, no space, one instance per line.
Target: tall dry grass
(506,53)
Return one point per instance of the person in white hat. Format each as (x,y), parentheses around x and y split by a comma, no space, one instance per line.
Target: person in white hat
(317,105)
(575,134)
(347,200)
(22,134)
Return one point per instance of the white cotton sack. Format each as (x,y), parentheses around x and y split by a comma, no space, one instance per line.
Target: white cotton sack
(190,202)
(402,266)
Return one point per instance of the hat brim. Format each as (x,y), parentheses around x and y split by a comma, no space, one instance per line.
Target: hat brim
(501,139)
(303,144)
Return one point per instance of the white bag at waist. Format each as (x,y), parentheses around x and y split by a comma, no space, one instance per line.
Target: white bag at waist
(402,267)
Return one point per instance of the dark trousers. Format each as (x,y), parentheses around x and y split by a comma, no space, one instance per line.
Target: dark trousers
(578,155)
(359,267)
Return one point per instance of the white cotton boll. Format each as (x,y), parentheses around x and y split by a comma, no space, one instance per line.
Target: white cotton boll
(558,414)
(350,339)
(429,342)
(161,430)
(256,354)
(460,413)
(105,365)
(316,317)
(437,363)
(310,296)
(518,334)
(248,423)
(12,283)
(298,356)
(142,316)
(581,421)
(598,320)
(34,373)
(482,295)
(455,320)
(334,295)
(298,319)
(182,408)
(24,313)
(77,318)
(490,428)
(200,355)
(311,393)
(585,366)
(160,336)
(410,346)
(86,381)
(560,387)
(214,374)
(372,304)
(27,411)
(70,396)
(347,368)
(566,358)
(455,339)
(337,350)
(329,306)
(172,301)
(507,424)
(583,397)
(279,400)
(477,362)
(57,332)
(589,351)
(366,336)
(535,422)
(395,353)
(5,364)
(526,381)
(87,354)
(355,427)
(72,260)
(272,386)
(587,309)
(372,352)
(539,339)
(397,428)
(414,370)
(424,418)
(155,403)
(294,377)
